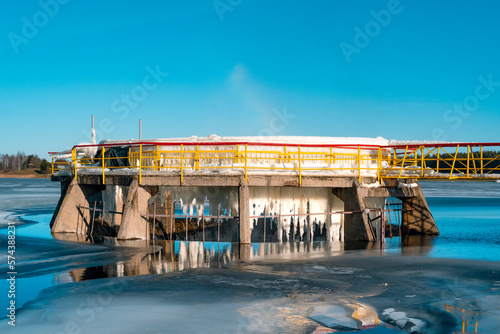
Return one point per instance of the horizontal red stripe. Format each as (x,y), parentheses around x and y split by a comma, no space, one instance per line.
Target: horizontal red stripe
(340,146)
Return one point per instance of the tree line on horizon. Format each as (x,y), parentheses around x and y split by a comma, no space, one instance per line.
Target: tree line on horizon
(21,161)
(491,161)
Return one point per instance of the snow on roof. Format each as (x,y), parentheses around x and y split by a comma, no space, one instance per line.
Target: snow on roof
(393,142)
(310,140)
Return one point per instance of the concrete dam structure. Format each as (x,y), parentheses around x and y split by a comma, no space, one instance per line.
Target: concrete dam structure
(255,189)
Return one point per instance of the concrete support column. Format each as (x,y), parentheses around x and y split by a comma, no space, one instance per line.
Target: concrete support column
(244,213)
(134,226)
(66,218)
(356,225)
(417,217)
(64,188)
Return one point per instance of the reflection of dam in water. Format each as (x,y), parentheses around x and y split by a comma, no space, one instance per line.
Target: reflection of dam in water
(164,256)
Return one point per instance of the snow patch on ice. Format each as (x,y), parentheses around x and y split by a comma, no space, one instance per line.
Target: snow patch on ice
(333,316)
(401,319)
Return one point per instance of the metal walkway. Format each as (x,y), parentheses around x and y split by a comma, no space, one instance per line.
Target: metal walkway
(439,161)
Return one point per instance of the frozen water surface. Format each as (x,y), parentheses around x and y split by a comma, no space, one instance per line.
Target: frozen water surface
(65,286)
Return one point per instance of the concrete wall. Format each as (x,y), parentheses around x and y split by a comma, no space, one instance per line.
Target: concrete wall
(244,200)
(133,226)
(68,218)
(288,201)
(113,198)
(417,218)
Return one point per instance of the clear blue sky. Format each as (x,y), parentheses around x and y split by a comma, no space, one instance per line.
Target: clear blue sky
(234,65)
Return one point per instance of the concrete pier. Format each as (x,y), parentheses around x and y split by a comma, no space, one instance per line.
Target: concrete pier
(244,212)
(133,225)
(346,209)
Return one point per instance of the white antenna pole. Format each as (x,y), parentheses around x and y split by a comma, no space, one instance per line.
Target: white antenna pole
(140,129)
(93,131)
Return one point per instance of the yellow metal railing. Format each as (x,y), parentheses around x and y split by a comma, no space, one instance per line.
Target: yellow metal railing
(450,161)
(460,161)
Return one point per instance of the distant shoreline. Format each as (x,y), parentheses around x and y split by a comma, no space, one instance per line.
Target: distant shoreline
(24,174)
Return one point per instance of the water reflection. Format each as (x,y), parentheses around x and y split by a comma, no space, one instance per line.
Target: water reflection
(412,245)
(164,256)
(417,244)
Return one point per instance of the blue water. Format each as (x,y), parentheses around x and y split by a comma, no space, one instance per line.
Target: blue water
(468,217)
(470,228)
(36,226)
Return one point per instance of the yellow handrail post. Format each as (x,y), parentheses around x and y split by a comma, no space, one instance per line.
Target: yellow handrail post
(157,160)
(284,157)
(197,159)
(246,162)
(236,160)
(52,168)
(182,163)
(140,163)
(473,161)
(482,160)
(379,165)
(403,162)
(300,171)
(75,161)
(468,159)
(359,163)
(437,161)
(130,161)
(422,162)
(395,157)
(454,159)
(103,163)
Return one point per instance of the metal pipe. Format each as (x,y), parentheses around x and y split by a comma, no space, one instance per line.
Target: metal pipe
(264,224)
(93,220)
(172,219)
(218,227)
(218,235)
(382,229)
(203,222)
(154,220)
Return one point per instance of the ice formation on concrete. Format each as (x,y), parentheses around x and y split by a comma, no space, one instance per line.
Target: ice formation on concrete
(291,201)
(195,200)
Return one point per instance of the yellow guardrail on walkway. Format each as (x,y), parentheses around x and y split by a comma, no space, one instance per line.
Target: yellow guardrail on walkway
(450,161)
